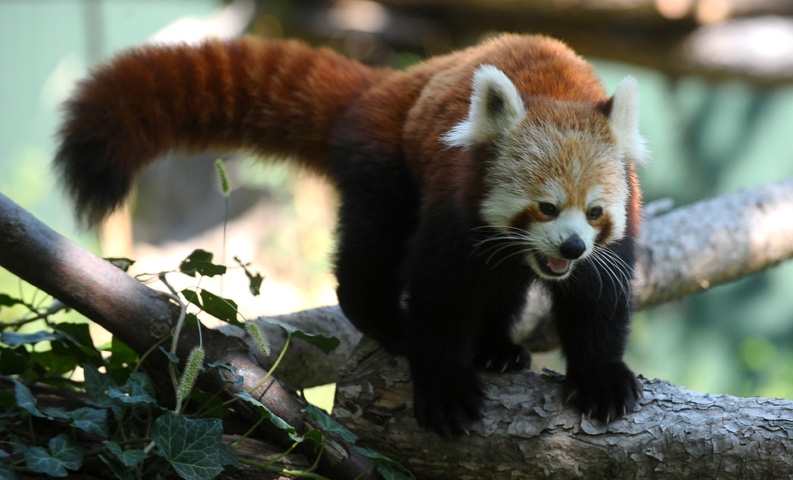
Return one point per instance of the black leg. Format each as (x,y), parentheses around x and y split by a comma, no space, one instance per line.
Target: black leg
(506,299)
(376,217)
(592,312)
(460,309)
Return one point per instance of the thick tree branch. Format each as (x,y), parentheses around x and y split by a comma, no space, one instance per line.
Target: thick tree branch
(715,241)
(140,317)
(528,432)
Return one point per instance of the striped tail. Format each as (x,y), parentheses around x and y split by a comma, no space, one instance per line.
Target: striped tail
(276,98)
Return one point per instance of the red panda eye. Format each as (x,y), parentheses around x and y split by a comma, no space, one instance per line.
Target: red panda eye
(594,213)
(549,209)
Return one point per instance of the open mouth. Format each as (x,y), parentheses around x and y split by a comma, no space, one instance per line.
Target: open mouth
(552,266)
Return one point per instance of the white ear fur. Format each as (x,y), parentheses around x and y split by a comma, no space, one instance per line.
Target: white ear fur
(624,118)
(495,108)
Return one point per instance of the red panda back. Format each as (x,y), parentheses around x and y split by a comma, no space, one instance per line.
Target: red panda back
(277,98)
(539,66)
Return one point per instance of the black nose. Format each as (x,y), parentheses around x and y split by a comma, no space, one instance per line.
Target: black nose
(572,248)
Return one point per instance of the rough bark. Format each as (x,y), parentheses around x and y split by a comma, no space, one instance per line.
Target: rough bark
(714,241)
(527,432)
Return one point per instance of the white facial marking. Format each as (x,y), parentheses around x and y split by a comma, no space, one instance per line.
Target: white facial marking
(571,221)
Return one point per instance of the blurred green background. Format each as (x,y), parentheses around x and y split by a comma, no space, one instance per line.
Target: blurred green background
(706,139)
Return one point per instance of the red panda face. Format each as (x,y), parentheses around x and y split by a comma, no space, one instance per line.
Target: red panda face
(558,186)
(556,182)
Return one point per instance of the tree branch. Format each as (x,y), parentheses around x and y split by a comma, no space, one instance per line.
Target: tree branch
(528,432)
(140,317)
(714,241)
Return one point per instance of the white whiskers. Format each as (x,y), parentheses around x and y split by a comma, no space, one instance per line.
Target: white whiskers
(615,269)
(504,238)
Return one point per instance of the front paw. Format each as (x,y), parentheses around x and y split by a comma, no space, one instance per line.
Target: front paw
(606,392)
(503,358)
(449,403)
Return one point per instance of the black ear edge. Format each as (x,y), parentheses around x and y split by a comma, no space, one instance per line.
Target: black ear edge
(606,106)
(495,103)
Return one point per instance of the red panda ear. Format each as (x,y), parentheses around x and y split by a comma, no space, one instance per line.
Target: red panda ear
(495,108)
(624,116)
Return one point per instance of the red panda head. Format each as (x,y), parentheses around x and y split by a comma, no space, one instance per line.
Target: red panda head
(556,179)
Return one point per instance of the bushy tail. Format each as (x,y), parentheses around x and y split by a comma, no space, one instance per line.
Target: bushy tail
(269,97)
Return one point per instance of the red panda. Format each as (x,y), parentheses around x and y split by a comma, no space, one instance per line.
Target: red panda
(462,180)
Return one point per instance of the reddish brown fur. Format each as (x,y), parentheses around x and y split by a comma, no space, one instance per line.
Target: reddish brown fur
(554,72)
(411,206)
(286,98)
(270,97)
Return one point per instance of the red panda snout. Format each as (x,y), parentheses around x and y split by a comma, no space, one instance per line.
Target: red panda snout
(572,248)
(558,244)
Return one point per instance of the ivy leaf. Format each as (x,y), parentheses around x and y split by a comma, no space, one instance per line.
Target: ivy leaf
(227,456)
(191,445)
(130,457)
(76,343)
(274,419)
(140,390)
(326,344)
(200,261)
(26,401)
(6,472)
(121,262)
(255,280)
(121,362)
(238,379)
(389,469)
(393,472)
(327,424)
(12,339)
(55,413)
(191,297)
(14,361)
(66,452)
(54,364)
(62,455)
(38,460)
(9,301)
(172,357)
(17,446)
(219,307)
(121,472)
(97,384)
(90,420)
